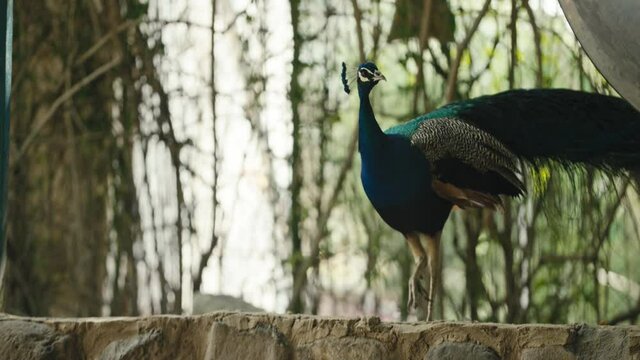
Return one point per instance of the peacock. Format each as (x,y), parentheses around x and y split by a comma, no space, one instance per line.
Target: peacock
(470,153)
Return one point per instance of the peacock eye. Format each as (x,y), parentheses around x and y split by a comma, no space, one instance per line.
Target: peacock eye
(364,75)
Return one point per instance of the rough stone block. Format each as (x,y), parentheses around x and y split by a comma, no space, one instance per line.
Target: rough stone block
(262,342)
(547,353)
(26,340)
(343,348)
(461,351)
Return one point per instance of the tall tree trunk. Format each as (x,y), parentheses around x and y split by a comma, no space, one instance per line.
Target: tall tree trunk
(296,304)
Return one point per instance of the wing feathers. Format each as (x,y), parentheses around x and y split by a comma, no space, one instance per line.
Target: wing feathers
(452,138)
(465,198)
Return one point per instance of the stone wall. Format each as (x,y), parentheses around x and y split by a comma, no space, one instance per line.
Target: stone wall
(224,335)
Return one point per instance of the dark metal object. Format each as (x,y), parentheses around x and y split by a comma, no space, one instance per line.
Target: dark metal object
(609,32)
(6,27)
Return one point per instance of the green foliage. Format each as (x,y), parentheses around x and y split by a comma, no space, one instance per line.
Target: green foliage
(137,10)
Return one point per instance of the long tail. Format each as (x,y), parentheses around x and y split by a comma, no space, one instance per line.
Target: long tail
(562,125)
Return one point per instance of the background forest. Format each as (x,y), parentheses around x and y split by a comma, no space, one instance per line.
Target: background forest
(166,148)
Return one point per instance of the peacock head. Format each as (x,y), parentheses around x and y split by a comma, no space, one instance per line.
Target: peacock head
(368,76)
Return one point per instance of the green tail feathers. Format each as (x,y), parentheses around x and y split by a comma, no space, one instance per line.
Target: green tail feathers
(567,126)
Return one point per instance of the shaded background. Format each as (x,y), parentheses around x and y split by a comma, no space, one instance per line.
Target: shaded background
(162,149)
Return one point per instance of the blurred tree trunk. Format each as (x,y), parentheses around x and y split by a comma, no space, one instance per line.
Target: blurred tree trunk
(72,193)
(296,304)
(56,265)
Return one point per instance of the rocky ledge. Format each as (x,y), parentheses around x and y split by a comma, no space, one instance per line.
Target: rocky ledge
(229,335)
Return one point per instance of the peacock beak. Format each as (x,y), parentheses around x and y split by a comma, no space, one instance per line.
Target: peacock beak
(378,76)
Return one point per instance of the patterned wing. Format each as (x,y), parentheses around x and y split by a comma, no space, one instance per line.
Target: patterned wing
(470,166)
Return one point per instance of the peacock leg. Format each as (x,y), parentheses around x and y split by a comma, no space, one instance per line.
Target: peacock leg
(415,287)
(432,245)
(420,258)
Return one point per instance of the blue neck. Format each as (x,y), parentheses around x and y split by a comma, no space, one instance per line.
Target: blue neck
(370,136)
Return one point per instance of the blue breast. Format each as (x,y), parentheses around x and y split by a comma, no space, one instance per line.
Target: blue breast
(396,179)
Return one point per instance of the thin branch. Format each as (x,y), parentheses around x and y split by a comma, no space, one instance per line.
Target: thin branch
(323,218)
(537,42)
(513,58)
(423,40)
(189,23)
(100,43)
(611,217)
(357,14)
(563,259)
(630,314)
(204,258)
(474,77)
(460,48)
(42,120)
(439,69)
